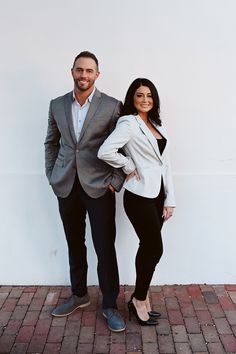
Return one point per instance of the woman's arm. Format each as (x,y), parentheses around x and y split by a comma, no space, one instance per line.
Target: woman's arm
(108,151)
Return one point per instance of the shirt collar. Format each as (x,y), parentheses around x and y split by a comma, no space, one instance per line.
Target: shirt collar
(89,99)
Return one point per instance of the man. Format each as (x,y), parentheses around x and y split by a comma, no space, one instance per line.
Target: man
(78,124)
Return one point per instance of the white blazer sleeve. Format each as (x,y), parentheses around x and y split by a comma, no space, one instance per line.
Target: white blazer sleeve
(108,151)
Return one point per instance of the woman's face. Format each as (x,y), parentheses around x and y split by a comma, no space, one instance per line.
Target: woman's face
(143,101)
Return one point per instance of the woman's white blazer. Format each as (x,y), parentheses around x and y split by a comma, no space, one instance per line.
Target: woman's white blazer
(141,153)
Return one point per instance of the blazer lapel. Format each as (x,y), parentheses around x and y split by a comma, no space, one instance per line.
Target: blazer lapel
(68,112)
(149,135)
(92,109)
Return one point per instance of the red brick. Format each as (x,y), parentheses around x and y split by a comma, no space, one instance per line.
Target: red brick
(172,303)
(4,317)
(36,304)
(168,290)
(9,305)
(102,344)
(216,310)
(101,326)
(30,289)
(210,297)
(41,292)
(118,348)
(16,292)
(52,298)
(65,292)
(42,327)
(37,344)
(199,304)
(25,298)
(182,294)
(69,345)
(183,348)
(163,327)
(215,348)
(157,299)
(133,342)
(25,334)
(187,309)
(229,343)
(31,318)
(86,335)
(19,312)
(231,317)
(175,317)
(206,287)
(13,327)
(232,295)
(226,303)
(234,330)
(149,334)
(230,287)
(166,344)
(179,334)
(155,289)
(194,291)
(222,326)
(88,318)
(52,348)
(118,337)
(204,317)
(6,343)
(19,348)
(45,313)
(59,321)
(3,296)
(192,325)
(5,289)
(55,335)
(76,315)
(219,290)
(197,342)
(86,348)
(210,333)
(72,328)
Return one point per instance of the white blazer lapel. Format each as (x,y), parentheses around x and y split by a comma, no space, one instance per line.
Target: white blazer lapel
(149,135)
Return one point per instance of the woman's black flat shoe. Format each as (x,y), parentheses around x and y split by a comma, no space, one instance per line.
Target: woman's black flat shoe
(154,313)
(150,322)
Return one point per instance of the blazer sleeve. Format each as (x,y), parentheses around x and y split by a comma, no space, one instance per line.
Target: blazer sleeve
(52,143)
(108,151)
(169,187)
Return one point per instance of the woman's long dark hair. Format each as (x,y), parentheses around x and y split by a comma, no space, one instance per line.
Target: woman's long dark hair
(129,108)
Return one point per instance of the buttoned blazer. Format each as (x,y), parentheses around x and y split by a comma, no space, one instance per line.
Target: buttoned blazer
(141,152)
(64,155)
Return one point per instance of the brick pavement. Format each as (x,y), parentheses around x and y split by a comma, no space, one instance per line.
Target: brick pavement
(195,319)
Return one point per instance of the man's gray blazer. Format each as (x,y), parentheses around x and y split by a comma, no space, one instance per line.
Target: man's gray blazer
(64,155)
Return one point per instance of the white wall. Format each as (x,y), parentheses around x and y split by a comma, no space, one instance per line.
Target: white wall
(187,48)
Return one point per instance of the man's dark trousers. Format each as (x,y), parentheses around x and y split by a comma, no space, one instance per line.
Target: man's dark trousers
(101,212)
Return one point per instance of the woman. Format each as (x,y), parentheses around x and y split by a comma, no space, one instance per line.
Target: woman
(149,195)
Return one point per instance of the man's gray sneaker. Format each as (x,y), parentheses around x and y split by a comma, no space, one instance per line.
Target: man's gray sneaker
(114,320)
(70,305)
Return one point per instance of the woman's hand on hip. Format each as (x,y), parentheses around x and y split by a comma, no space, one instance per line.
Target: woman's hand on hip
(167,212)
(133,174)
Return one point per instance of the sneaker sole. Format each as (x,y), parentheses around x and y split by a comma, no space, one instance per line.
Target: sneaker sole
(117,330)
(68,313)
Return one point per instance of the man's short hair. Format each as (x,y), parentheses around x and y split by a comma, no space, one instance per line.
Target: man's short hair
(86,54)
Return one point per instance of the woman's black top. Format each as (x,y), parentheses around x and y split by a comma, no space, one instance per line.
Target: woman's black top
(161,144)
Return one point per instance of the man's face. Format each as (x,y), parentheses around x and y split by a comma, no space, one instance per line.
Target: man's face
(85,73)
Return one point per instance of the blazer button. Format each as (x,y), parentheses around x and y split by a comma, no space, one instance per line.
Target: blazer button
(77,150)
